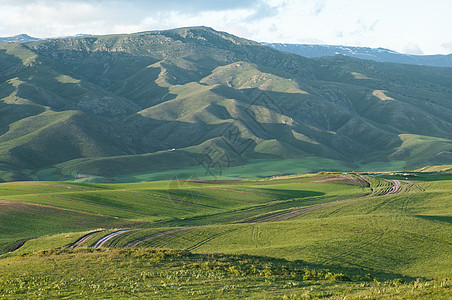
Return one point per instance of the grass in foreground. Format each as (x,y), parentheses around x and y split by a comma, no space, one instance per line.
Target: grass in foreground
(179,274)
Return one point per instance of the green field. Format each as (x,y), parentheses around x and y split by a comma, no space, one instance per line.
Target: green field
(325,235)
(254,168)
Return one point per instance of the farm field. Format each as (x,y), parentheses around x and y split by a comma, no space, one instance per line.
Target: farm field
(374,235)
(254,168)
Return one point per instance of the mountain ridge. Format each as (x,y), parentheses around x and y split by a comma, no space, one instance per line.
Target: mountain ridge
(375,54)
(218,100)
(20,38)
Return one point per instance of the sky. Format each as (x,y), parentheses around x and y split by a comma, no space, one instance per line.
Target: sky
(413,27)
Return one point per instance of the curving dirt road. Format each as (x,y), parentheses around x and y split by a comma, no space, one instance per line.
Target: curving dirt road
(103,240)
(83,239)
(395,187)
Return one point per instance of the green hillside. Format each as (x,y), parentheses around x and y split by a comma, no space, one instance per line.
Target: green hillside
(330,235)
(118,107)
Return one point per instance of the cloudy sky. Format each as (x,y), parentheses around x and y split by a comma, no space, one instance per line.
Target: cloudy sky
(415,27)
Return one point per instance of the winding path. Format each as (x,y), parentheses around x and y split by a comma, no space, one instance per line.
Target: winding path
(83,239)
(103,240)
(395,187)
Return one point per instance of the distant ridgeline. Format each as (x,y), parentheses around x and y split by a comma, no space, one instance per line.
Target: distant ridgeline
(21,38)
(114,105)
(375,54)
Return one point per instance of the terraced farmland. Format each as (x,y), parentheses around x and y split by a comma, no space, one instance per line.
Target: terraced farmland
(388,225)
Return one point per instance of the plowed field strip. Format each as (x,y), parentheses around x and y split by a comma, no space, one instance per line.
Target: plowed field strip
(83,239)
(173,199)
(296,212)
(159,234)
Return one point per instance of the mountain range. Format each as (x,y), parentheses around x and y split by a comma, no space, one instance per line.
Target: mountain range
(159,100)
(21,38)
(312,51)
(375,54)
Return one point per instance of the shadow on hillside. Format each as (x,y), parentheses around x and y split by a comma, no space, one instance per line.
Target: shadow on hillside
(446,219)
(290,194)
(421,176)
(354,273)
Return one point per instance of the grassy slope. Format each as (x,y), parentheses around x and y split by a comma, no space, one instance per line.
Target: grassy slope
(351,230)
(354,229)
(405,234)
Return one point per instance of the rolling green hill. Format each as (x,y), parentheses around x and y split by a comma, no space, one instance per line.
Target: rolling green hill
(325,235)
(114,107)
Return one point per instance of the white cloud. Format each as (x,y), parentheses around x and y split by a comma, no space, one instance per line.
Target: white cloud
(412,48)
(44,19)
(447,46)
